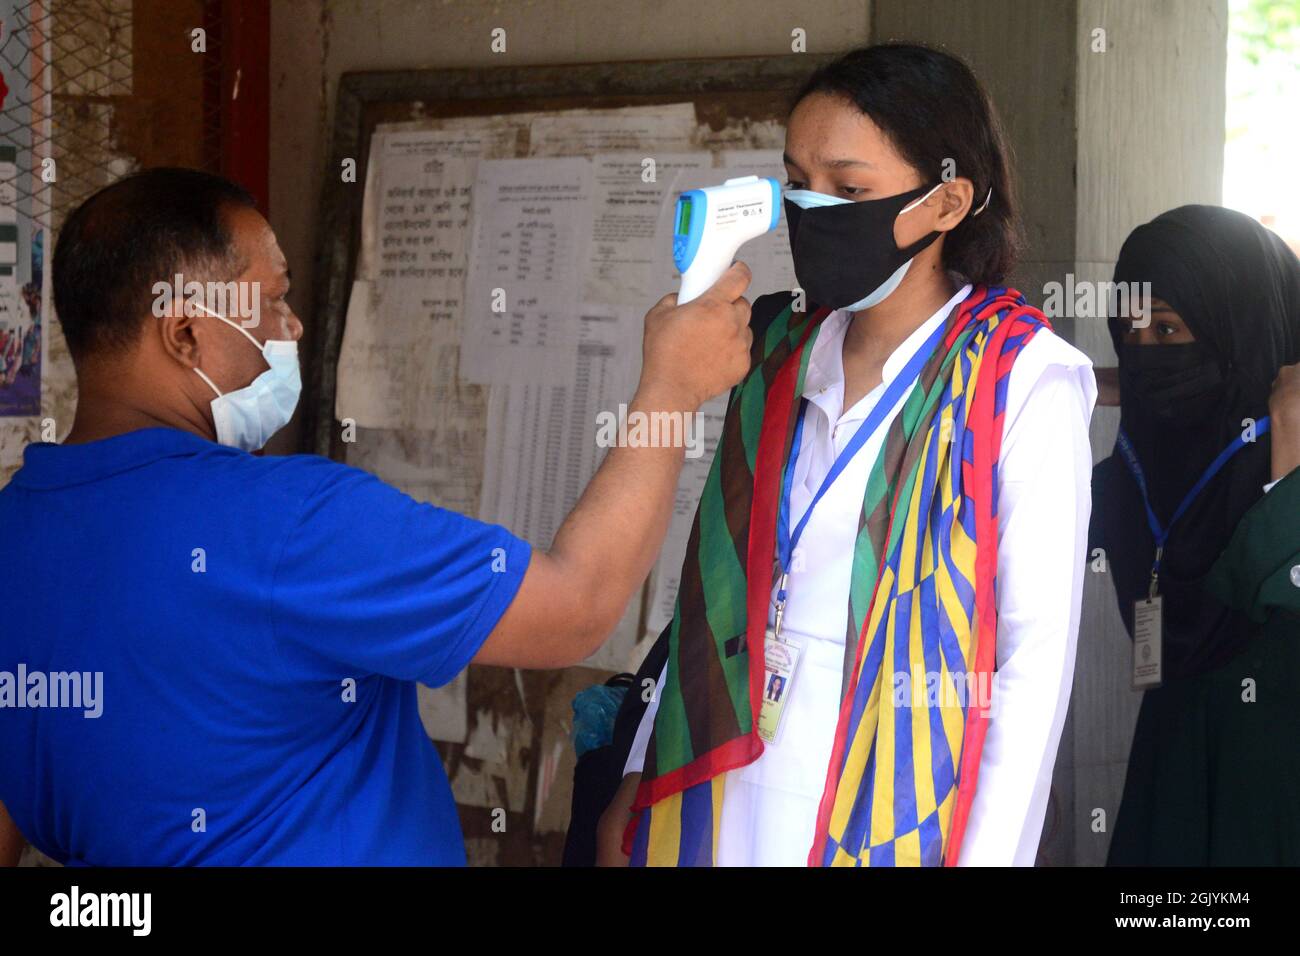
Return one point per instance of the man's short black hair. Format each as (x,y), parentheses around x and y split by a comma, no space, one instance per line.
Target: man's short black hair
(141,230)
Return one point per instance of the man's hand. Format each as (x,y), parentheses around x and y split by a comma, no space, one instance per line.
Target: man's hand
(1284,416)
(572,596)
(698,350)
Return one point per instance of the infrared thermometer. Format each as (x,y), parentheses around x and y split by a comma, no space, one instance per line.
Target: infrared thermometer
(712,223)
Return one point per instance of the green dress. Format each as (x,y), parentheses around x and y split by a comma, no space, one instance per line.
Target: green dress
(1214,773)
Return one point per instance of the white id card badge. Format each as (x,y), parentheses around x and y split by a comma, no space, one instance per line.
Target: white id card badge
(1147,643)
(780,659)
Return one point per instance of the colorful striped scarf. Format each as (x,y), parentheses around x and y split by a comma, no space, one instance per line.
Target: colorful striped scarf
(901,778)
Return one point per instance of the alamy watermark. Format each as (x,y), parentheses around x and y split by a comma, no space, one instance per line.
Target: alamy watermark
(127,910)
(960,691)
(638,429)
(234,300)
(1085,299)
(83,690)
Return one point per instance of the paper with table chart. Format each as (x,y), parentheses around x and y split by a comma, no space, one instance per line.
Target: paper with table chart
(545,424)
(546,453)
(497,310)
(531,224)
(404,332)
(398,366)
(626,209)
(542,451)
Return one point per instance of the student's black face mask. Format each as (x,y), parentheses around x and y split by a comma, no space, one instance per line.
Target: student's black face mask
(1181,383)
(844,252)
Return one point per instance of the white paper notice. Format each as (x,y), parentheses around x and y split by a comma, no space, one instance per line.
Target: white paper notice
(397,365)
(669,127)
(532,222)
(418,426)
(767,256)
(542,446)
(401,342)
(625,231)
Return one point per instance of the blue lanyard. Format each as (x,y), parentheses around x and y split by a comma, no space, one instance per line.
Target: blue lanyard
(787,541)
(1161,534)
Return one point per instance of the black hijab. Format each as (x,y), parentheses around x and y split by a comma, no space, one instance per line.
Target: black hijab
(1236,286)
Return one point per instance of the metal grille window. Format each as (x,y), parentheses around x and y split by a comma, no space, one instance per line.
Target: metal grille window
(129,90)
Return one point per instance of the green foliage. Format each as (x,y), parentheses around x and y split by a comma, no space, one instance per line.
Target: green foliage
(1266,28)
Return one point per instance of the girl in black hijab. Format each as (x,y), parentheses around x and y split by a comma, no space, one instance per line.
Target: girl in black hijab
(1214,772)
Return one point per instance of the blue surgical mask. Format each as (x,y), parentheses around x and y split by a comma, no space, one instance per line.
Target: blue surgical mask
(247,417)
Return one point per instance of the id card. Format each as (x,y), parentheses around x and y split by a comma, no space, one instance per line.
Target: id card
(780,659)
(1147,643)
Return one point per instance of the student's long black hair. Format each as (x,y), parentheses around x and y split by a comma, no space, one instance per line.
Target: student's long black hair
(933,109)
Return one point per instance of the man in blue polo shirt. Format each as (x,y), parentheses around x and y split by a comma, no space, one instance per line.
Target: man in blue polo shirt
(215,658)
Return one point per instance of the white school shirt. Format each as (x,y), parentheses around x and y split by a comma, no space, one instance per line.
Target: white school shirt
(769,809)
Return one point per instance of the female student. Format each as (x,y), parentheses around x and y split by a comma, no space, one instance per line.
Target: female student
(897,509)
(1194,542)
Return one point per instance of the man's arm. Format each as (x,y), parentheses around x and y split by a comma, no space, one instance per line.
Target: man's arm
(573,595)
(11,841)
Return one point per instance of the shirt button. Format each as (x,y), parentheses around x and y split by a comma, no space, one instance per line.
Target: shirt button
(1295,575)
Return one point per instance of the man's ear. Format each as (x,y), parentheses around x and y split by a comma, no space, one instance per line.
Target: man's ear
(176,332)
(954,203)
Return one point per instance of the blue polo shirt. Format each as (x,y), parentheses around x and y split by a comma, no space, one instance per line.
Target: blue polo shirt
(257,626)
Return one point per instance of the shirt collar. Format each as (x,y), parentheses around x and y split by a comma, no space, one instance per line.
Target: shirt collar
(47,465)
(826,364)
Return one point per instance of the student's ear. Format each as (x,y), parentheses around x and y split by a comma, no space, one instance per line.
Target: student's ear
(954,203)
(176,332)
